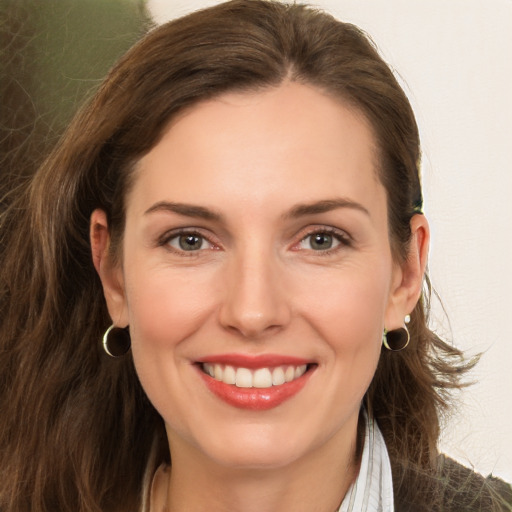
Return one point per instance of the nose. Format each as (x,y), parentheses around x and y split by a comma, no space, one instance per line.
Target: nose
(255,298)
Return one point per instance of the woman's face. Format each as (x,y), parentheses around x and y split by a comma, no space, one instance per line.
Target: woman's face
(256,250)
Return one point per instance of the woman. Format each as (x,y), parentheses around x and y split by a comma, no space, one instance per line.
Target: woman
(224,305)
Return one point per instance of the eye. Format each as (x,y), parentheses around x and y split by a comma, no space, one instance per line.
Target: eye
(320,241)
(188,242)
(323,240)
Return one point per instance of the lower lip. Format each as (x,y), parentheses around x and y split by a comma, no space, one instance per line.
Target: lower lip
(256,399)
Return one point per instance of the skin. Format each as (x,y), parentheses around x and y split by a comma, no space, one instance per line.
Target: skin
(257,285)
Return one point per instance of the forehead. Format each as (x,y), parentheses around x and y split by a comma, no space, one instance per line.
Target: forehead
(293,138)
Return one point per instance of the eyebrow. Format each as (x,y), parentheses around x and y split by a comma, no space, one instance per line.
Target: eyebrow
(300,210)
(188,210)
(324,206)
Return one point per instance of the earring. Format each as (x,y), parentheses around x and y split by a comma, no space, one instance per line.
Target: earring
(116,341)
(397,339)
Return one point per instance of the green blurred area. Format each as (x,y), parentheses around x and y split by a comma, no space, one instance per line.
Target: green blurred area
(53,55)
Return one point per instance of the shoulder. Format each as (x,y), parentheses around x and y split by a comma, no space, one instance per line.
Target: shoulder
(465,488)
(457,488)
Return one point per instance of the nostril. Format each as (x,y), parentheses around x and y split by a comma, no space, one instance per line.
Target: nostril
(254,331)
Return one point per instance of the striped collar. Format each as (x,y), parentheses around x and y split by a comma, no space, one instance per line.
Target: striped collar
(373,489)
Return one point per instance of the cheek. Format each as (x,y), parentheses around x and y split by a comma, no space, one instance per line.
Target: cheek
(166,307)
(348,306)
(347,312)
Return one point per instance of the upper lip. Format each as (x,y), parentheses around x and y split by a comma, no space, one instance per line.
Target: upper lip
(255,361)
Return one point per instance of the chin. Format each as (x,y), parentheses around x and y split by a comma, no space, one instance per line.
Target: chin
(253,447)
(252,458)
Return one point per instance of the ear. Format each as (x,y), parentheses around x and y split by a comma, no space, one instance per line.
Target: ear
(111,275)
(408,275)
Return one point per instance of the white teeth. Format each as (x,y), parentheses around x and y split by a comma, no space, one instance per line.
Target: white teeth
(278,376)
(243,378)
(289,374)
(262,378)
(217,372)
(229,375)
(259,378)
(208,368)
(300,370)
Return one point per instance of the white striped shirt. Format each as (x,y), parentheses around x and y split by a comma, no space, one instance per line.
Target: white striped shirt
(373,489)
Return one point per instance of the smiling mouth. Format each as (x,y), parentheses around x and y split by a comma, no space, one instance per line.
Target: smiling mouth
(260,378)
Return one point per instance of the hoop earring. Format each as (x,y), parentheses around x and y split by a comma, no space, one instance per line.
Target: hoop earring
(116,341)
(397,339)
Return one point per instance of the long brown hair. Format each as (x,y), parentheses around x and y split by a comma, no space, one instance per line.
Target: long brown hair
(76,428)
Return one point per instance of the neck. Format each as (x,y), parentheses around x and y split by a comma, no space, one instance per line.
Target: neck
(318,482)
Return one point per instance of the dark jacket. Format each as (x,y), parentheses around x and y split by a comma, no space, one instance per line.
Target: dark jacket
(456,488)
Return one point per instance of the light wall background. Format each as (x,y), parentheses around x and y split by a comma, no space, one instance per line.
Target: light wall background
(454,60)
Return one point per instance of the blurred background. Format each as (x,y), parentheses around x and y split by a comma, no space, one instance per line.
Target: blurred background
(454,60)
(53,55)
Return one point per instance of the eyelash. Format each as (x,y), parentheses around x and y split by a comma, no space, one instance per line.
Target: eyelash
(340,236)
(164,241)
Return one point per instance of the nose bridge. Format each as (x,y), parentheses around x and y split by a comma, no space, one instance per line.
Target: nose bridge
(255,300)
